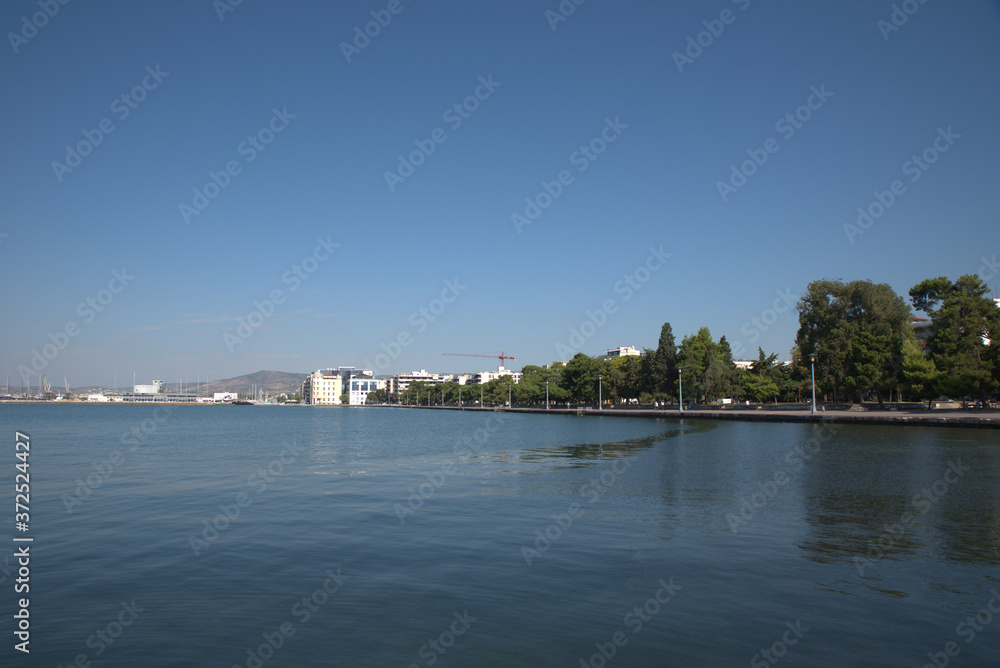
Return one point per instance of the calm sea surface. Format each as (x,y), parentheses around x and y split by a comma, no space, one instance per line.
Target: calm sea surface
(250,536)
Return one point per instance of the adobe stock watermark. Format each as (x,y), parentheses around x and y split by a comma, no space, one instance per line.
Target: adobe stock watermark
(294,277)
(122,106)
(223,7)
(759,324)
(8,566)
(787,125)
(471,444)
(900,14)
(582,158)
(103,638)
(258,482)
(419,320)
(989,268)
(967,630)
(922,503)
(696,44)
(301,611)
(454,116)
(381,18)
(769,488)
(435,648)
(564,10)
(627,286)
(249,149)
(592,490)
(87,310)
(634,621)
(779,648)
(915,167)
(30,27)
(134,439)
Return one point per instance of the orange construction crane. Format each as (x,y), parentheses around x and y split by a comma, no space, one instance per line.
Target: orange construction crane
(500,357)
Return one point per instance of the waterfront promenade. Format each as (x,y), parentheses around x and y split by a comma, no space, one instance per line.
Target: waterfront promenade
(989,418)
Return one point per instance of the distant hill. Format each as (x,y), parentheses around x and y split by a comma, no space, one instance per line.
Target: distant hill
(272,382)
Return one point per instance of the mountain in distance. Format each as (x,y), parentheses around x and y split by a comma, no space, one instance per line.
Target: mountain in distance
(271,382)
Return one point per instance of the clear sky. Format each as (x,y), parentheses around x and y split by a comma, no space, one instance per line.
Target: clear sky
(620,129)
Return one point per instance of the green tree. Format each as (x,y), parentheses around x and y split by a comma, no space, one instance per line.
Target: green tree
(962,318)
(664,362)
(580,378)
(691,356)
(832,316)
(626,377)
(647,375)
(531,389)
(759,382)
(707,367)
(868,365)
(919,376)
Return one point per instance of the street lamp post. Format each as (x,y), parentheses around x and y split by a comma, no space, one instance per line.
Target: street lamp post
(546,395)
(459,396)
(480,396)
(600,404)
(680,395)
(812,374)
(509,404)
(442,397)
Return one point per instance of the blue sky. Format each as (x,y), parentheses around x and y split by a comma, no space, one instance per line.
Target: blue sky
(662,133)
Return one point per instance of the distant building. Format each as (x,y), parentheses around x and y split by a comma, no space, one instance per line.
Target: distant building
(359,386)
(922,328)
(155,388)
(325,387)
(322,387)
(743,364)
(484,377)
(400,383)
(624,351)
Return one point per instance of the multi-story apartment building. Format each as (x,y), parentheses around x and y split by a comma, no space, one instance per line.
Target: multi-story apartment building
(484,377)
(325,387)
(359,386)
(322,387)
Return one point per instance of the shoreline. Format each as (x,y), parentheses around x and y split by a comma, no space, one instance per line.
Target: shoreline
(984,418)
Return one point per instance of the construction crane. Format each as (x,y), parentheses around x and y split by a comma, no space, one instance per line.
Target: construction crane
(501,357)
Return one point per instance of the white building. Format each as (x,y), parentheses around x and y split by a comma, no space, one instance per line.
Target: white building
(484,377)
(148,389)
(624,351)
(401,382)
(359,387)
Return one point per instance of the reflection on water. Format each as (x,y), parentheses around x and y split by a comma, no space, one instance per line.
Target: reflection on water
(883,493)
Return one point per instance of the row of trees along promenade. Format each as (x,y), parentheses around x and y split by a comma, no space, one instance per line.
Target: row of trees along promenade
(858,335)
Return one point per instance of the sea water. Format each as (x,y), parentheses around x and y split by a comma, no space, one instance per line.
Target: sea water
(301,536)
